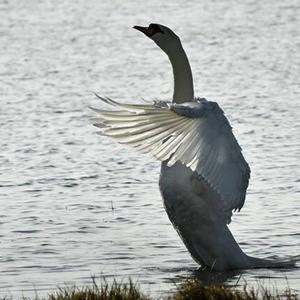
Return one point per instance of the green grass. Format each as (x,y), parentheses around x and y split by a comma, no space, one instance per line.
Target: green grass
(190,289)
(194,289)
(103,291)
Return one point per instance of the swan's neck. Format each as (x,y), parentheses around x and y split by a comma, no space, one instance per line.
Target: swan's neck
(183,78)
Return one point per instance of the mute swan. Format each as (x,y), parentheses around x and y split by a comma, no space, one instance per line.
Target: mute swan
(204,175)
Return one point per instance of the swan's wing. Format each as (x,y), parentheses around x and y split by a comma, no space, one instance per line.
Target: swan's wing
(194,133)
(218,157)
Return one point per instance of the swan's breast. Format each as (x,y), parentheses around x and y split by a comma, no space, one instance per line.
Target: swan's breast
(187,196)
(181,190)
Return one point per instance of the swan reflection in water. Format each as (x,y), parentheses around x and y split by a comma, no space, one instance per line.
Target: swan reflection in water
(204,176)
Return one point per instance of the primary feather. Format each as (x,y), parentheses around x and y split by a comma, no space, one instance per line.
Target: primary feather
(194,133)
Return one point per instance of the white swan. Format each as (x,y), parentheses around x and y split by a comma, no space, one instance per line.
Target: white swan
(204,175)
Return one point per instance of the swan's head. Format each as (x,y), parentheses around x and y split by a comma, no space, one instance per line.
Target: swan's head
(163,36)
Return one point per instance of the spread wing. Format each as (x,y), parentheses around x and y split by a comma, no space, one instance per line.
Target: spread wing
(194,133)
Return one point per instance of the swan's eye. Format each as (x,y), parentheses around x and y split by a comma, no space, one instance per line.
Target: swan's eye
(154,29)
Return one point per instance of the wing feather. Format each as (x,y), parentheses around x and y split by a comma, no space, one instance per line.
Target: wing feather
(163,151)
(195,133)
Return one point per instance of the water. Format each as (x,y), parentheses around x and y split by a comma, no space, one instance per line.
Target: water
(74,204)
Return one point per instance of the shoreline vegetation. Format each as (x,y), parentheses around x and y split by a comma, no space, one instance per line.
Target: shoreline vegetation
(189,289)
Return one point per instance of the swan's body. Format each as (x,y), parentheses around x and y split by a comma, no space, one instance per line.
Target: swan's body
(204,175)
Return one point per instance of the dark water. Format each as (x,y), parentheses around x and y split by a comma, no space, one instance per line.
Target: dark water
(74,204)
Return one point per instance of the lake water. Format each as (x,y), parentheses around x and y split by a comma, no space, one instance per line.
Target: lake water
(74,204)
